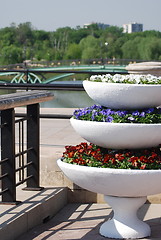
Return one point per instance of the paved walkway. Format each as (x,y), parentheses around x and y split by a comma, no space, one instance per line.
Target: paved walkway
(78,221)
(82,221)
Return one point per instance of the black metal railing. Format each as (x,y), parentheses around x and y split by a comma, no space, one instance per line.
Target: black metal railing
(20,164)
(71,86)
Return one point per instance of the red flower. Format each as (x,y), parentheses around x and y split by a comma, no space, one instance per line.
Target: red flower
(113,161)
(71,154)
(119,156)
(143,166)
(128,154)
(144,159)
(92,155)
(133,159)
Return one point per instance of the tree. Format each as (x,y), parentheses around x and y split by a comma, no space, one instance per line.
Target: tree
(91,47)
(130,49)
(82,43)
(7,36)
(10,55)
(150,48)
(73,52)
(24,33)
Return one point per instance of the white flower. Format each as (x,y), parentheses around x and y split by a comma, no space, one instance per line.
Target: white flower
(130,78)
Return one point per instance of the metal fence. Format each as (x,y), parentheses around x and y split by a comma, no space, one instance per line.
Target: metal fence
(20,164)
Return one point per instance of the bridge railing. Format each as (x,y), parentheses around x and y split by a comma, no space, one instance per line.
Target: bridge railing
(41,75)
(70,62)
(20,164)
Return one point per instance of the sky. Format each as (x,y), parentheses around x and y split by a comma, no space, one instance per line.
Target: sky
(49,15)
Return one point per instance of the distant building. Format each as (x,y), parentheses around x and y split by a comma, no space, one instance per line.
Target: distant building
(100,25)
(132,27)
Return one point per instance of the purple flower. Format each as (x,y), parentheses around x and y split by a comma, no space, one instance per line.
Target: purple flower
(135,113)
(142,114)
(131,118)
(149,110)
(94,114)
(121,113)
(106,111)
(109,119)
(95,107)
(101,113)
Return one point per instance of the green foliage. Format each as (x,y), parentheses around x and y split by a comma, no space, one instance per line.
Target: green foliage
(91,47)
(24,34)
(18,43)
(130,48)
(73,52)
(10,55)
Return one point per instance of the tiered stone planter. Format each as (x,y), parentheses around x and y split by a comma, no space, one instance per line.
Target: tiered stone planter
(153,68)
(122,95)
(124,189)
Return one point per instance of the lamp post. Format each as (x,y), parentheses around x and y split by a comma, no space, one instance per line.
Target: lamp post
(106,44)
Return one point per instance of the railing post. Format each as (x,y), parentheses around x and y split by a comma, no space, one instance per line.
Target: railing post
(8,153)
(33,140)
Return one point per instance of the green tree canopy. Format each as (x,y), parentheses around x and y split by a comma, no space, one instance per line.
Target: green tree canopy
(18,43)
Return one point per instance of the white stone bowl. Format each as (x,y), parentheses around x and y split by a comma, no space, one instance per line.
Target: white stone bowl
(124,189)
(118,135)
(124,96)
(114,182)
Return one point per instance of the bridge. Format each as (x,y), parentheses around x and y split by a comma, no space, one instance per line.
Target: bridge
(38,75)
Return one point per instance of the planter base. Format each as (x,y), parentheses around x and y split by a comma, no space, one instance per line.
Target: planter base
(125,223)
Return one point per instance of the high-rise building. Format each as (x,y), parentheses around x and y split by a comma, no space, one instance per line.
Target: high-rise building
(132,27)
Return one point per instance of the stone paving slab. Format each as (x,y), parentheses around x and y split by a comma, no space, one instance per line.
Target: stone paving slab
(82,221)
(35,207)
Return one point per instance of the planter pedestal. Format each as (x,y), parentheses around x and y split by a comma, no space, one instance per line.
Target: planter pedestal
(125,223)
(125,199)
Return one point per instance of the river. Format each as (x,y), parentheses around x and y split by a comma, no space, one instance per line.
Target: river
(64,99)
(69,99)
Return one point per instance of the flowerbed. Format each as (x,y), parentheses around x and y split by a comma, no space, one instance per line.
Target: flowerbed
(130,79)
(95,156)
(103,114)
